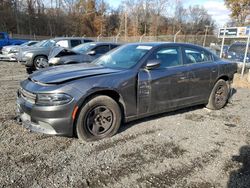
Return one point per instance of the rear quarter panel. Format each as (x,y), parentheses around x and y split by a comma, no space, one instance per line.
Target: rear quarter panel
(227,69)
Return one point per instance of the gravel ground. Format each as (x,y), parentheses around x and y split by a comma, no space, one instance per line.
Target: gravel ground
(194,147)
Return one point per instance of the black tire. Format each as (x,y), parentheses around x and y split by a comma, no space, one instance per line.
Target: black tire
(100,117)
(219,95)
(29,70)
(37,60)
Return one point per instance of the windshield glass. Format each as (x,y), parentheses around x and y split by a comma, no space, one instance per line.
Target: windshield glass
(45,43)
(25,44)
(124,57)
(40,43)
(83,48)
(238,48)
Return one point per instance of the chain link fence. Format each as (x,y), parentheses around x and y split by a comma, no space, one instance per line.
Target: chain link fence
(195,39)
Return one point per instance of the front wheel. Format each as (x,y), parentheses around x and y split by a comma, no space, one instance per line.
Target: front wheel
(99,118)
(219,95)
(40,62)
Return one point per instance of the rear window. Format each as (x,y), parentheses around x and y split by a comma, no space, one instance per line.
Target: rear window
(196,56)
(87,40)
(75,43)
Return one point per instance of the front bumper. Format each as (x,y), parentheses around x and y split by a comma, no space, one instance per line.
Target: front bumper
(26,61)
(8,57)
(53,120)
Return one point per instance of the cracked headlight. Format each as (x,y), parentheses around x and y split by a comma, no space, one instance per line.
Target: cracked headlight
(53,99)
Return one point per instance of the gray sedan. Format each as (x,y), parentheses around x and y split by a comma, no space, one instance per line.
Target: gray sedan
(133,81)
(83,53)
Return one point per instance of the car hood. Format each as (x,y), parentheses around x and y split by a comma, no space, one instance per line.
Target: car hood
(65,73)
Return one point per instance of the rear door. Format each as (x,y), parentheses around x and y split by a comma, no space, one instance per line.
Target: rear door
(164,87)
(202,72)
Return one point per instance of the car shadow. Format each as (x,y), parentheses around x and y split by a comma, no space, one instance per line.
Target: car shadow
(241,178)
(128,125)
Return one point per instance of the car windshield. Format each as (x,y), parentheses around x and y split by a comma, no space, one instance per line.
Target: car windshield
(83,48)
(40,43)
(25,44)
(238,48)
(124,57)
(45,43)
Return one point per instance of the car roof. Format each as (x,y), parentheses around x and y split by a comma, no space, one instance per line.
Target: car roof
(70,38)
(104,43)
(155,44)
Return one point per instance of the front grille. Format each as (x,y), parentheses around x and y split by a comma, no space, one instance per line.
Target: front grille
(28,96)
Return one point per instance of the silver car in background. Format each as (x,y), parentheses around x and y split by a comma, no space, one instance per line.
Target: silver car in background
(37,57)
(9,53)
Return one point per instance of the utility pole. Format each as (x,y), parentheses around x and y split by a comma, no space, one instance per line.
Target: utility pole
(204,42)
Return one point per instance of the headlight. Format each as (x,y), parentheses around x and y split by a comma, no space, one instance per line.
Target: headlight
(54,60)
(52,99)
(13,51)
(28,54)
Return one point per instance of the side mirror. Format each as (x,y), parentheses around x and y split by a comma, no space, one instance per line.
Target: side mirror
(152,64)
(91,52)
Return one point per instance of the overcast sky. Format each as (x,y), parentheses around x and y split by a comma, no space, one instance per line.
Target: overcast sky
(216,8)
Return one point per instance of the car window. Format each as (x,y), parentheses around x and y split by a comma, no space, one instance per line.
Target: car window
(196,56)
(75,43)
(168,57)
(112,46)
(101,49)
(238,48)
(1,36)
(87,40)
(63,43)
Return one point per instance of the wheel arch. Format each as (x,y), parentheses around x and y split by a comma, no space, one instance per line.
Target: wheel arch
(106,92)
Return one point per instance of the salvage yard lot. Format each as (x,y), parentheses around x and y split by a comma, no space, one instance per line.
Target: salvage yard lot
(193,147)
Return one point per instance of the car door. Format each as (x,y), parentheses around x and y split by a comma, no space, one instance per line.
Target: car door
(202,72)
(164,87)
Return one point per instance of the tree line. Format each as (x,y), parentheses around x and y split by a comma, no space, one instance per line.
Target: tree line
(97,18)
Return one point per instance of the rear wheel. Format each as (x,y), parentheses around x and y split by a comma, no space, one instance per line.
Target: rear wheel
(99,118)
(40,62)
(219,95)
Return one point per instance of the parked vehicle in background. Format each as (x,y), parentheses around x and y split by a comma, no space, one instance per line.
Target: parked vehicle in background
(5,40)
(9,53)
(92,99)
(83,53)
(236,52)
(37,57)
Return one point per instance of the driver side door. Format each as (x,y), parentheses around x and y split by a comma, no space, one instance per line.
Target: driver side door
(165,87)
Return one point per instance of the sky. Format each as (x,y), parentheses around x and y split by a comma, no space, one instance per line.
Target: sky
(215,8)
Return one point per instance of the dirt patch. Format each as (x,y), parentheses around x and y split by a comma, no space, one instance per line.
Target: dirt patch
(173,176)
(239,82)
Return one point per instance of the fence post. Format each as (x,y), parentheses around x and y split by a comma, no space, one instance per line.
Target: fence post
(142,36)
(98,37)
(116,38)
(176,35)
